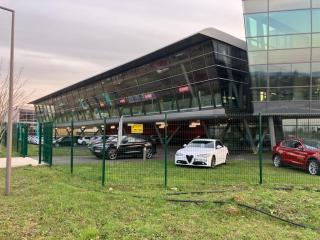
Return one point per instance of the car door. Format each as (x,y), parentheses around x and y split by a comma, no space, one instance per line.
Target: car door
(285,151)
(221,152)
(298,154)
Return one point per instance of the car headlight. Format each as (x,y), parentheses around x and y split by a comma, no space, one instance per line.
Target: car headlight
(179,154)
(203,155)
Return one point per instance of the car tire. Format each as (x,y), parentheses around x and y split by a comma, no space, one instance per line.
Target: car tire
(84,143)
(227,159)
(149,153)
(313,167)
(112,154)
(213,161)
(277,162)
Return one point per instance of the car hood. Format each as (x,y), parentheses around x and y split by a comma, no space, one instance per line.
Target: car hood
(195,150)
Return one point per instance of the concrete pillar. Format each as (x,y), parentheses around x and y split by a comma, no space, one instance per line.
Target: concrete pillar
(272,132)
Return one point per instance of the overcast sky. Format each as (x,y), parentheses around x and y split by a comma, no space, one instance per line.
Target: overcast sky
(61,42)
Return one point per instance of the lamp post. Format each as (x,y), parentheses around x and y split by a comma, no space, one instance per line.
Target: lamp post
(10,105)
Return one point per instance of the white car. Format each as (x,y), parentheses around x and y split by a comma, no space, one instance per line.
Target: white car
(84,140)
(203,153)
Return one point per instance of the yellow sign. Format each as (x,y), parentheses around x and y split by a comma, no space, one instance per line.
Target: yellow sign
(137,128)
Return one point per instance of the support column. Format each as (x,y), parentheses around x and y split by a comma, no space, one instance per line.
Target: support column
(272,132)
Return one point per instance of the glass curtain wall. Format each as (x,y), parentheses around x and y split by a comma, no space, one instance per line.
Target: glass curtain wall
(283,39)
(210,74)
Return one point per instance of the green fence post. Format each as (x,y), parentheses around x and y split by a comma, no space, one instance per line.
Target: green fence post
(71,155)
(40,141)
(165,150)
(260,149)
(104,151)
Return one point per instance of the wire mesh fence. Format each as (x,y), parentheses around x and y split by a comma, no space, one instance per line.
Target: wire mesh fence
(220,150)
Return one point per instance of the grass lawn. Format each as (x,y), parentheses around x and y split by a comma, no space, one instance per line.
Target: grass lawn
(33,150)
(49,203)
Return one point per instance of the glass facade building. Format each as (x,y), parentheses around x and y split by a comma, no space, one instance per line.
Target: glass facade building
(208,70)
(283,41)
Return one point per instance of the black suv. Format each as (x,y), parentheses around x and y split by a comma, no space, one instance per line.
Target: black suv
(66,141)
(130,146)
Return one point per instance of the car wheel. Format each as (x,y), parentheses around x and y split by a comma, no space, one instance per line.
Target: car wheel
(213,161)
(84,143)
(149,153)
(277,160)
(313,167)
(112,154)
(227,159)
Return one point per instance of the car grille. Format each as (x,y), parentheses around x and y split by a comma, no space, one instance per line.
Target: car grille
(189,158)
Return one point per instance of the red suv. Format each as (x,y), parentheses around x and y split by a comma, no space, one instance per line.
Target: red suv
(297,152)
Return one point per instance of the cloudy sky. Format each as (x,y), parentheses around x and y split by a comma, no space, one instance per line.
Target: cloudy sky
(61,42)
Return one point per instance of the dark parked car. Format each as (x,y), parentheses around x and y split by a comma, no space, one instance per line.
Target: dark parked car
(66,141)
(130,146)
(299,153)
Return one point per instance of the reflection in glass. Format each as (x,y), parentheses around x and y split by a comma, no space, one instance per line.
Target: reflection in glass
(250,6)
(257,43)
(295,93)
(276,5)
(287,56)
(316,20)
(259,75)
(256,24)
(289,22)
(259,57)
(290,41)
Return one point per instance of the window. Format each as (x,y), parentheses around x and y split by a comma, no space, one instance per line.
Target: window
(258,43)
(290,41)
(282,75)
(295,93)
(256,24)
(316,20)
(259,57)
(287,56)
(289,22)
(316,3)
(315,54)
(316,40)
(316,74)
(250,6)
(259,75)
(276,5)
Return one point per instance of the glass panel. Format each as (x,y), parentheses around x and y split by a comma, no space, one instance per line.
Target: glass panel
(259,75)
(259,95)
(315,54)
(290,41)
(297,93)
(275,5)
(289,22)
(167,101)
(203,91)
(287,56)
(186,97)
(289,75)
(256,24)
(316,40)
(316,93)
(259,57)
(259,43)
(316,20)
(316,74)
(316,3)
(251,6)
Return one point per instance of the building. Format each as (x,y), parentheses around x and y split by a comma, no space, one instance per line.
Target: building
(204,75)
(26,115)
(283,39)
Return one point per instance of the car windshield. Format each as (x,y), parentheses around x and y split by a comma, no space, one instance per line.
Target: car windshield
(201,144)
(311,144)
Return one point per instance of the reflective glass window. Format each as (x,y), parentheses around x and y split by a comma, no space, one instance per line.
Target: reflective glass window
(289,22)
(316,3)
(295,93)
(250,6)
(186,97)
(316,93)
(256,24)
(259,57)
(316,40)
(316,20)
(316,54)
(259,95)
(259,75)
(290,41)
(276,5)
(316,74)
(167,100)
(282,75)
(287,56)
(204,93)
(151,106)
(258,43)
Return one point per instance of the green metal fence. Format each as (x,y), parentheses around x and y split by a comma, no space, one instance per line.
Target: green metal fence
(246,137)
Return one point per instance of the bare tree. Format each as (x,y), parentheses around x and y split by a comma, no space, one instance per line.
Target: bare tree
(19,97)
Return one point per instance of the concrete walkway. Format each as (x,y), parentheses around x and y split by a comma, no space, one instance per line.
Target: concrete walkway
(19,162)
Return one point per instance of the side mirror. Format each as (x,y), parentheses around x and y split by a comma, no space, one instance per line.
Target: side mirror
(218,147)
(184,145)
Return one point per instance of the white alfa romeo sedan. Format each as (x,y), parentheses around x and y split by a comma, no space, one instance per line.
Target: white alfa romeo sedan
(203,153)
